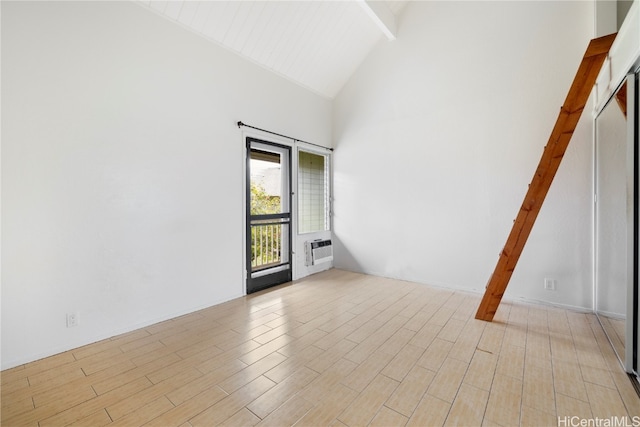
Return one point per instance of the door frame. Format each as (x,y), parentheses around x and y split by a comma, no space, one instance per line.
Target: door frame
(281,275)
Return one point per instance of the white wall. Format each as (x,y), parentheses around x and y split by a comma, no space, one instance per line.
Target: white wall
(122,180)
(606,17)
(438,135)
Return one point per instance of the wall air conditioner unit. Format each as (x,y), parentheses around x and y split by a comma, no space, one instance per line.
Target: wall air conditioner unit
(318,251)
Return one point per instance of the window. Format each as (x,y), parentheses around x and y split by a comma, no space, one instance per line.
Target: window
(313,192)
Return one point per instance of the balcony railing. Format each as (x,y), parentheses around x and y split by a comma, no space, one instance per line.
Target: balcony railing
(266,246)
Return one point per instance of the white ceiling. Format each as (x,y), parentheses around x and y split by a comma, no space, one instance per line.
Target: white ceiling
(315,43)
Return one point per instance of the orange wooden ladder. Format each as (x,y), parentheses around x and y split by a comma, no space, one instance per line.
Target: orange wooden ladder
(570,113)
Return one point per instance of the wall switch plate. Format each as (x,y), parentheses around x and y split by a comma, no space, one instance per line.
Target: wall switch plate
(550,284)
(72,320)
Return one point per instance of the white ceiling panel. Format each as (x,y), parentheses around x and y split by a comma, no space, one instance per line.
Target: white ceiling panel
(173,9)
(315,43)
(188,12)
(201,16)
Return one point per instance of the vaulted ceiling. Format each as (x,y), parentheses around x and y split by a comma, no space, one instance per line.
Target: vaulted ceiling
(315,43)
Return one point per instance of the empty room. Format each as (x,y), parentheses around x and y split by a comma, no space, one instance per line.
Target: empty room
(311,213)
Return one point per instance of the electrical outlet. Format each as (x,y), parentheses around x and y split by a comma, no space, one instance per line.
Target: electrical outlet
(72,320)
(550,284)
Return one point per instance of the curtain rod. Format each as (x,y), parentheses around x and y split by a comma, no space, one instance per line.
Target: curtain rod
(240,124)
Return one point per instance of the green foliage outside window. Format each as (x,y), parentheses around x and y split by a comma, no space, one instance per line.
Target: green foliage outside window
(265,239)
(261,202)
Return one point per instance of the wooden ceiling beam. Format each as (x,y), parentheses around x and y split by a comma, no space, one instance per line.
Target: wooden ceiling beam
(382,16)
(561,134)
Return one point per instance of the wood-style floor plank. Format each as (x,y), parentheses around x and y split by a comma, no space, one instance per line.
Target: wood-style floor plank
(337,348)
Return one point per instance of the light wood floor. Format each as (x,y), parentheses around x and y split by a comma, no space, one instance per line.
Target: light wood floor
(337,348)
(615,330)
